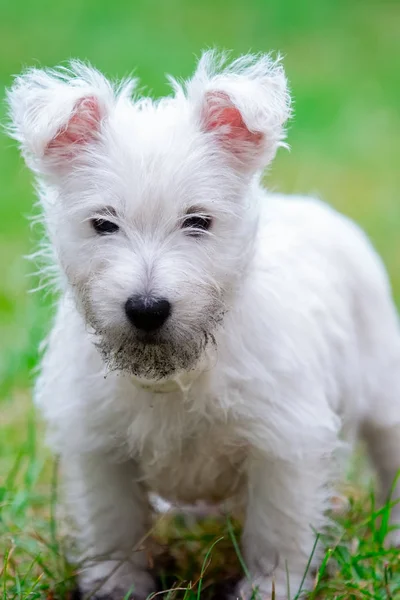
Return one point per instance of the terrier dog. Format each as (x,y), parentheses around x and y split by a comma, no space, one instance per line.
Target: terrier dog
(213,342)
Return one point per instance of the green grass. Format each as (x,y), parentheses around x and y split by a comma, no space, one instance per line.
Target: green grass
(343,60)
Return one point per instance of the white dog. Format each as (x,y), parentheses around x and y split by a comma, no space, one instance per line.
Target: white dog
(212,342)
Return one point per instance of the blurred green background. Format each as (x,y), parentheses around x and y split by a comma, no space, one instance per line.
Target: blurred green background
(343,62)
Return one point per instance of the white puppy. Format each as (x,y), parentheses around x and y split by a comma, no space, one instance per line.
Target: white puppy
(212,342)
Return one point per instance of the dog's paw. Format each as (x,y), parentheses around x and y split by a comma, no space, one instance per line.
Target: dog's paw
(140,587)
(266,588)
(260,589)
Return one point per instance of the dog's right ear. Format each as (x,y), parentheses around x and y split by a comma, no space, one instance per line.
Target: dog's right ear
(56,115)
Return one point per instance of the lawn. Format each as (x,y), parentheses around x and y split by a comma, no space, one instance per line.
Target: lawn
(343,62)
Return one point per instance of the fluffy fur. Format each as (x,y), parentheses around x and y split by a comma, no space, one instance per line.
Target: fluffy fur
(282,342)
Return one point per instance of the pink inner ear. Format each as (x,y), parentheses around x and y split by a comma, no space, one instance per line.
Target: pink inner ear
(221,114)
(80,129)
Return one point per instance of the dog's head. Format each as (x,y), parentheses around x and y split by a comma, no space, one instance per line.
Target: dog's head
(151,206)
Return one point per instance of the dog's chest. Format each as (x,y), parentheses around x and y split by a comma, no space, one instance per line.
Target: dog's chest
(196,468)
(186,456)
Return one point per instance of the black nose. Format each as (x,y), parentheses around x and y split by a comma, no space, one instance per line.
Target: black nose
(147,314)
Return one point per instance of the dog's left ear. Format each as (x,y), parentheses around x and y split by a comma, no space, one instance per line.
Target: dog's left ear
(242,106)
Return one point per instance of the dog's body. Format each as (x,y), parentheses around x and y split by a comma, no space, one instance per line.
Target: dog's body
(282,340)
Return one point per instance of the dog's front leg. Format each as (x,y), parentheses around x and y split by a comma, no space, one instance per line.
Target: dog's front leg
(285,507)
(111,513)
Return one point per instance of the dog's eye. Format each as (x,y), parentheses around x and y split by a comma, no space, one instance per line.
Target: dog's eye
(196,224)
(104,227)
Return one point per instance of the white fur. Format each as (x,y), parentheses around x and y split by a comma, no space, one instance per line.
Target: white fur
(283,338)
